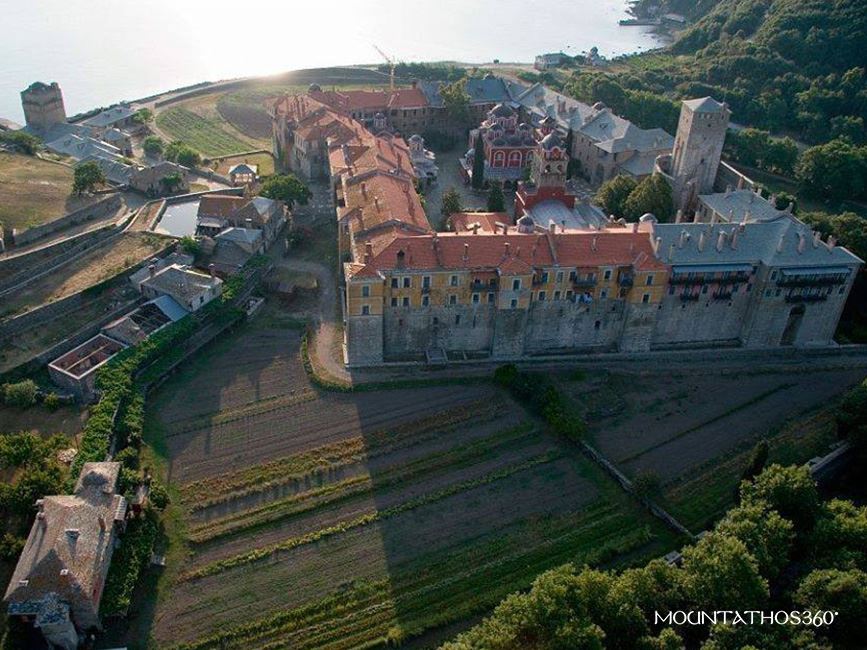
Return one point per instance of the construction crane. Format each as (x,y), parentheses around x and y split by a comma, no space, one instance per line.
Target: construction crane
(391,65)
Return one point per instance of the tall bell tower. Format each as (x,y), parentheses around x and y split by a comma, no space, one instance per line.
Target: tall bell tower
(701,133)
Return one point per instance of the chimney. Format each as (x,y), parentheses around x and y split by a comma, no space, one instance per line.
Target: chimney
(507,248)
(152,270)
(635,227)
(832,241)
(368,252)
(101,522)
(817,237)
(720,241)
(593,243)
(713,218)
(212,270)
(40,516)
(735,238)
(505,229)
(552,227)
(657,242)
(466,252)
(679,216)
(790,208)
(248,223)
(701,241)
(681,240)
(728,189)
(781,242)
(563,226)
(802,242)
(364,190)
(671,251)
(476,228)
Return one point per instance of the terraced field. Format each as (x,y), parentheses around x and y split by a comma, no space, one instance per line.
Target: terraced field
(333,520)
(203,133)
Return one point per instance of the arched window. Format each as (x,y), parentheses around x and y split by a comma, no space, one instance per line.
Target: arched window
(515,159)
(499,158)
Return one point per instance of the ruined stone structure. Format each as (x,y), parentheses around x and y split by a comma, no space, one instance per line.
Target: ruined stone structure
(43,106)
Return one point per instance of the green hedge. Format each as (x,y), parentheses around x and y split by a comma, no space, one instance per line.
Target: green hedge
(541,396)
(127,563)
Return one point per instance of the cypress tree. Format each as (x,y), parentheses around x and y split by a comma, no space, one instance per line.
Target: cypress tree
(478,163)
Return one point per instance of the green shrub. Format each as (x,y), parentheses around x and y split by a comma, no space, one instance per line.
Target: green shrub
(129,458)
(21,394)
(127,563)
(159,496)
(51,401)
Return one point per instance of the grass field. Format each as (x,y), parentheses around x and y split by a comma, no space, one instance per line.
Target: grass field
(308,519)
(33,192)
(201,131)
(264,161)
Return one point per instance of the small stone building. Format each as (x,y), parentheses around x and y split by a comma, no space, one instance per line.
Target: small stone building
(58,582)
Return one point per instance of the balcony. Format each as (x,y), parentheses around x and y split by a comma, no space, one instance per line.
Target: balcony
(478,285)
(626,280)
(730,278)
(814,281)
(806,297)
(584,283)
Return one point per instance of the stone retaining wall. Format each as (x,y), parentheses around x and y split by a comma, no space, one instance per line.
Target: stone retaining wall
(101,208)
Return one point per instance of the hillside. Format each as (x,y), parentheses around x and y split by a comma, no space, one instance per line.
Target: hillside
(783,65)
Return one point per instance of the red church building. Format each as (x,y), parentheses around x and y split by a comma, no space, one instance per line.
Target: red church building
(506,145)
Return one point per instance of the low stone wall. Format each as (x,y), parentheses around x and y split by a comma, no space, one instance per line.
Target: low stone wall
(99,209)
(727,176)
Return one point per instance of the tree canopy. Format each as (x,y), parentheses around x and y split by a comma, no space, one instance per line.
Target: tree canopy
(153,145)
(87,177)
(612,194)
(653,195)
(496,200)
(451,202)
(179,152)
(286,188)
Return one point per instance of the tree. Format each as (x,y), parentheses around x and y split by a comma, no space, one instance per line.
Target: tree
(153,145)
(478,162)
(451,202)
(190,245)
(843,592)
(783,200)
(457,102)
(720,573)
(496,200)
(764,532)
(647,484)
(143,116)
(653,195)
(613,194)
(849,229)
(21,394)
(286,188)
(177,151)
(21,141)
(87,177)
(790,491)
(835,170)
(756,463)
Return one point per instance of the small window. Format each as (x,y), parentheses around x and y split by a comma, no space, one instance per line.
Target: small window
(457,319)
(365,291)
(514,303)
(542,296)
(400,322)
(773,275)
(394,302)
(425,282)
(704,289)
(407,283)
(453,299)
(607,274)
(556,295)
(454,281)
(603,294)
(365,310)
(573,275)
(544,277)
(475,299)
(645,298)
(425,301)
(671,290)
(516,284)
(406,302)
(597,324)
(490,298)
(777,292)
(394,283)
(569,294)
(650,279)
(559,276)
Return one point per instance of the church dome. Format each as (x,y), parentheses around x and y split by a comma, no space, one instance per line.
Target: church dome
(551,141)
(526,224)
(501,110)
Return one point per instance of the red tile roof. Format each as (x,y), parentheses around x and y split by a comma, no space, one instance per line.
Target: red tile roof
(518,252)
(463,221)
(348,101)
(220,205)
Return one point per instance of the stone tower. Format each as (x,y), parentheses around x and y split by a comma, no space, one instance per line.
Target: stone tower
(698,145)
(550,160)
(43,105)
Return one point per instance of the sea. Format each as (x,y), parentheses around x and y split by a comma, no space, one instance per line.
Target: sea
(105,51)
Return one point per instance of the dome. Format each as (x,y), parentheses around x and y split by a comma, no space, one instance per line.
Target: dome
(415,137)
(551,141)
(526,224)
(501,110)
(648,217)
(314,88)
(598,106)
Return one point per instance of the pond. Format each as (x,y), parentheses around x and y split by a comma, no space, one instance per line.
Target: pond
(179,219)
